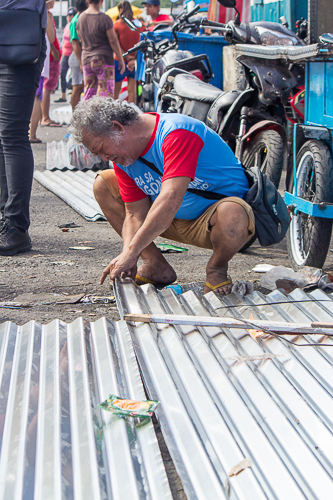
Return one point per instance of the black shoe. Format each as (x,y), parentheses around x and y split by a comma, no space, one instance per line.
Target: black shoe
(12,240)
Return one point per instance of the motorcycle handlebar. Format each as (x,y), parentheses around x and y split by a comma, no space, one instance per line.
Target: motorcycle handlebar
(136,47)
(191,13)
(206,22)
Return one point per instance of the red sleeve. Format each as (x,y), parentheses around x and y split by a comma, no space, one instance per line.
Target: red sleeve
(181,150)
(128,190)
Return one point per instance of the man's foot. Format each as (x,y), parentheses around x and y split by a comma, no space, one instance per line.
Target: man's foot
(35,140)
(218,281)
(161,274)
(12,240)
(50,123)
(61,99)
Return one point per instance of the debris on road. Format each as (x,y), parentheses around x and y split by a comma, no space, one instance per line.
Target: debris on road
(70,225)
(286,278)
(128,407)
(81,248)
(34,299)
(95,299)
(166,248)
(243,287)
(262,268)
(244,464)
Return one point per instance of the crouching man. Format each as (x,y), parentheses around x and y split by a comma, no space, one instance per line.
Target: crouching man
(165,168)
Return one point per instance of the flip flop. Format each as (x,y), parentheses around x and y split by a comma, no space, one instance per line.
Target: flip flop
(51,124)
(145,281)
(35,141)
(215,287)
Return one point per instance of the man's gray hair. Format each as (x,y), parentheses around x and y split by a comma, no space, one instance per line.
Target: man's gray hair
(96,116)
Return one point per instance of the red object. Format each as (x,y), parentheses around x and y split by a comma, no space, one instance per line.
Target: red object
(66,44)
(197,73)
(159,19)
(56,42)
(127,38)
(222,14)
(181,150)
(297,102)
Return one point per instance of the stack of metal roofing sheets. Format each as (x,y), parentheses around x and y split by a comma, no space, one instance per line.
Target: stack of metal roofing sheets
(57,156)
(54,442)
(75,188)
(62,114)
(226,397)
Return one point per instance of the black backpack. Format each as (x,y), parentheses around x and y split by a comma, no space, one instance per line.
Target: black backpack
(270,211)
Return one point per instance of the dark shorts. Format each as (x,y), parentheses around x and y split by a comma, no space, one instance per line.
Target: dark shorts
(39,92)
(127,74)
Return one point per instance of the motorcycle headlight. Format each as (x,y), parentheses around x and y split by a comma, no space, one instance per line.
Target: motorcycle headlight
(268,38)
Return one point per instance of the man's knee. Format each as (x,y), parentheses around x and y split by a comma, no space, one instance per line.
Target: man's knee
(232,219)
(107,192)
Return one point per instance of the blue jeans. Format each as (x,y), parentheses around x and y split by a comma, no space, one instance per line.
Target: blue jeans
(64,69)
(18,85)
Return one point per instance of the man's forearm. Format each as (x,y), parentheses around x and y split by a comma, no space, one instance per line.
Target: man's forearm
(77,49)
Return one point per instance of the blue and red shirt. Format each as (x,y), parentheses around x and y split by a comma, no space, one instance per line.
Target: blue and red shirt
(181,146)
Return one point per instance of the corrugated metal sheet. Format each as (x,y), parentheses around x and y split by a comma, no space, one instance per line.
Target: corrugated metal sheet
(62,115)
(54,443)
(75,188)
(57,156)
(226,397)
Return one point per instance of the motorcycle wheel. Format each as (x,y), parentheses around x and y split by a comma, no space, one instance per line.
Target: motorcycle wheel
(308,237)
(266,150)
(268,145)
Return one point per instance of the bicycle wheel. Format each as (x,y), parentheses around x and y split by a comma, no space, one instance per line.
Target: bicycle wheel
(308,238)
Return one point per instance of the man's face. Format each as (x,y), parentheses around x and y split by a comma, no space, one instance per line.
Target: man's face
(110,150)
(152,10)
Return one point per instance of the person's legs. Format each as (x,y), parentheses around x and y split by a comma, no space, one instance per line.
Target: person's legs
(76,94)
(50,85)
(36,112)
(131,89)
(105,78)
(35,119)
(18,85)
(229,233)
(90,81)
(154,267)
(117,89)
(63,73)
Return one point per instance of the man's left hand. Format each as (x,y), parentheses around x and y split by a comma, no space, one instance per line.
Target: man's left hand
(124,266)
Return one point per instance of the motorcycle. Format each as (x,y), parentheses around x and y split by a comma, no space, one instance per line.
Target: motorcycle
(160,57)
(251,122)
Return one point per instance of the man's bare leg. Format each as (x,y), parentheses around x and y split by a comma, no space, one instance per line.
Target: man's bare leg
(76,93)
(155,267)
(228,234)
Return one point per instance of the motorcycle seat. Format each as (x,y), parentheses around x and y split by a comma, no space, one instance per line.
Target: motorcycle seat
(190,87)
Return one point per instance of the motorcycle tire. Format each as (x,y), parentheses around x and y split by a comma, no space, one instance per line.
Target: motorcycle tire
(269,145)
(309,237)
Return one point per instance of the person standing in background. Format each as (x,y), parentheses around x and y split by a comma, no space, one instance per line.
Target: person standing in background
(18,85)
(37,110)
(153,10)
(74,60)
(51,82)
(99,41)
(127,38)
(66,50)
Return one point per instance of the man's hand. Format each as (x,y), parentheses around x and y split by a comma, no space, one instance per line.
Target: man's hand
(55,53)
(131,65)
(124,266)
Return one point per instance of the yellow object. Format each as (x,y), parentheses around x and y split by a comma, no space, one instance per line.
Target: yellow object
(214,287)
(114,13)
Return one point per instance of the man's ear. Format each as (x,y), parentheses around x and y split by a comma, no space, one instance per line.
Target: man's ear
(118,126)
